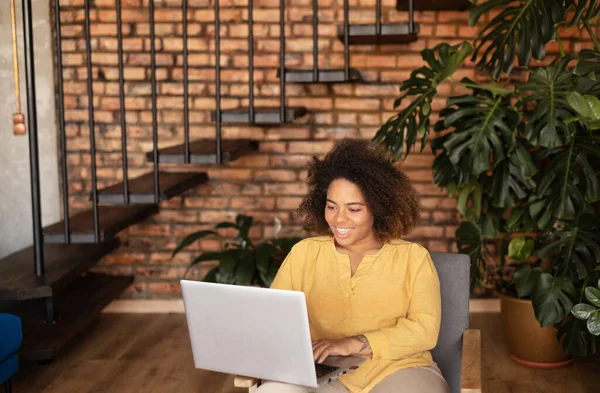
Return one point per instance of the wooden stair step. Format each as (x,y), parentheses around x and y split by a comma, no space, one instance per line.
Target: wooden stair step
(76,307)
(262,116)
(435,5)
(366,34)
(323,76)
(141,189)
(112,219)
(62,262)
(203,151)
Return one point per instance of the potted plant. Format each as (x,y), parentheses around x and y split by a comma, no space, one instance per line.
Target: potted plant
(241,262)
(522,159)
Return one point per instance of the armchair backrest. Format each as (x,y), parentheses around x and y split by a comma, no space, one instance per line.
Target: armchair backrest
(453,271)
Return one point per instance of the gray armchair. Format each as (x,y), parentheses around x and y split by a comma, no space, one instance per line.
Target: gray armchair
(458,351)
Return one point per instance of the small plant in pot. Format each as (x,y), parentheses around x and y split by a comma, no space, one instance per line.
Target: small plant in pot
(522,158)
(241,262)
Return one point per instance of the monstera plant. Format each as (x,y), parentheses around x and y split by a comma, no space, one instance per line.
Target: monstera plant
(520,154)
(241,262)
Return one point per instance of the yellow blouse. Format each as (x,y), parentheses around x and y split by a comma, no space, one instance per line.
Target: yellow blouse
(393,298)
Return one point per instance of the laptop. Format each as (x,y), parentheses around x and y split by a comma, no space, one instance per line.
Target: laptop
(256,332)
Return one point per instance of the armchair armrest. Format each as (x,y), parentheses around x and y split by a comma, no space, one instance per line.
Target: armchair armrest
(470,377)
(245,382)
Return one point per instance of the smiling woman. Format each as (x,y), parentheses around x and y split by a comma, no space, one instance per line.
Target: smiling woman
(368,292)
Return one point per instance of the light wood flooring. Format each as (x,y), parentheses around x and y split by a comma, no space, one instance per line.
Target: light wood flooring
(151,353)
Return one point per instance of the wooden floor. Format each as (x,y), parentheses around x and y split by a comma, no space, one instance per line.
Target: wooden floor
(151,353)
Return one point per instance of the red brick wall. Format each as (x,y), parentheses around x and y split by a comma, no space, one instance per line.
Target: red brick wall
(269,183)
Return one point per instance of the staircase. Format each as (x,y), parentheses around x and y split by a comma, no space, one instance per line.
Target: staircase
(49,284)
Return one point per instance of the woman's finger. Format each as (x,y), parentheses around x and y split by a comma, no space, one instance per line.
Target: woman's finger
(324,355)
(319,350)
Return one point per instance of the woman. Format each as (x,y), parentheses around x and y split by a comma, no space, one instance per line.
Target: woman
(368,293)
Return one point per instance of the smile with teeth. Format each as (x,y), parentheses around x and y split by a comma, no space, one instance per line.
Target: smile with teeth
(343,231)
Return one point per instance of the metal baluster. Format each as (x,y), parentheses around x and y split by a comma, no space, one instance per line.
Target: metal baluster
(154,106)
(347,39)
(186,104)
(36,208)
(282,61)
(411,22)
(218,83)
(315,26)
(378,18)
(122,103)
(92,124)
(250,62)
(61,122)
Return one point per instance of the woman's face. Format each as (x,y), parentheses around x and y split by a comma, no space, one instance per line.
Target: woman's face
(348,215)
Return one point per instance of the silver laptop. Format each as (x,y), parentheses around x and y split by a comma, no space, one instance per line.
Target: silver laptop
(256,332)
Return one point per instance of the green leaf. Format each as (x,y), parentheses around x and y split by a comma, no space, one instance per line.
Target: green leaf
(592,295)
(569,181)
(511,179)
(580,104)
(228,263)
(222,225)
(589,62)
(414,119)
(552,298)
(469,241)
(244,274)
(593,323)
(211,276)
(207,256)
(526,278)
(549,88)
(582,311)
(572,245)
(191,238)
(483,130)
(575,338)
(528,24)
(520,248)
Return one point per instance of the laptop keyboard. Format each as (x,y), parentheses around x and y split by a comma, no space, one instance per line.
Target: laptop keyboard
(324,369)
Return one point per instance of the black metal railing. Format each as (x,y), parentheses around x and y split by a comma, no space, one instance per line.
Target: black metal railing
(91,121)
(61,121)
(36,208)
(154,99)
(122,102)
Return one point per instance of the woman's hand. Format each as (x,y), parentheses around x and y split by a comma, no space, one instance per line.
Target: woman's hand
(357,345)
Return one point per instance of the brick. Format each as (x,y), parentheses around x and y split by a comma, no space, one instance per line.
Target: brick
(288,203)
(206,202)
(252,203)
(297,188)
(311,147)
(275,175)
(366,104)
(124,259)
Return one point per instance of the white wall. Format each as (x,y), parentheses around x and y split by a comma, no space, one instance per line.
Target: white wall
(15,187)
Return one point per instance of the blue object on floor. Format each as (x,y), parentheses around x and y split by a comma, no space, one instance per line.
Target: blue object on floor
(11,337)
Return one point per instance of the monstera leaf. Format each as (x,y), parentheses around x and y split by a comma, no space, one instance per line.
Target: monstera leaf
(469,240)
(483,129)
(512,178)
(574,248)
(548,88)
(552,298)
(413,119)
(519,28)
(569,182)
(588,64)
(583,11)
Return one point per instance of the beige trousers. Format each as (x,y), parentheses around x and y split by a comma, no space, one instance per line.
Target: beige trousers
(409,380)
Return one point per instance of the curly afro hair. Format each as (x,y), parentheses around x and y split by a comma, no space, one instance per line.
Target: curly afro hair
(387,190)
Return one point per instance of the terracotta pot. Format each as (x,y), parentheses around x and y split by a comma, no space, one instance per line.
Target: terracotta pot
(528,343)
